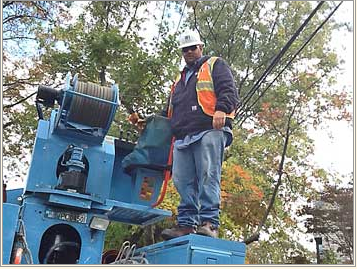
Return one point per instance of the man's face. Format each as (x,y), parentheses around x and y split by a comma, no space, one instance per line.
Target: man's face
(192,53)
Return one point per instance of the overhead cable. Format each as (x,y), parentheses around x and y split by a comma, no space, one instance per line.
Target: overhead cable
(274,62)
(242,120)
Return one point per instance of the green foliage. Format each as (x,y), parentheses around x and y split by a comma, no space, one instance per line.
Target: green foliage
(103,43)
(330,257)
(248,35)
(23,23)
(107,37)
(331,217)
(279,249)
(118,233)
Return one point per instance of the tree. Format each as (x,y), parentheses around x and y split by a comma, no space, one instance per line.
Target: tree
(103,45)
(23,24)
(106,47)
(280,249)
(272,145)
(330,216)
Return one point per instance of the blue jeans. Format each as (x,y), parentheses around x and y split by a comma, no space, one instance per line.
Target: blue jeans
(197,177)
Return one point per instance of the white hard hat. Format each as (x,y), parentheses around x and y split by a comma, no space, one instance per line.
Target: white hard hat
(189,38)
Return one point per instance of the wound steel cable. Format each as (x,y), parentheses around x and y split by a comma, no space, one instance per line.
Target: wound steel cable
(91,112)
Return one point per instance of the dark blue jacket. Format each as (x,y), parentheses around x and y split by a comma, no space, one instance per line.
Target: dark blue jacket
(188,117)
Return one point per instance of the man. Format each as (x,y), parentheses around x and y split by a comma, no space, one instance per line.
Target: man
(201,107)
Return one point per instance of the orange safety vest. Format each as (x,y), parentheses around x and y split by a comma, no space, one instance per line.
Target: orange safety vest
(204,88)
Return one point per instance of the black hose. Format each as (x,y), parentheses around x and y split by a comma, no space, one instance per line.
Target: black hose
(39,110)
(60,244)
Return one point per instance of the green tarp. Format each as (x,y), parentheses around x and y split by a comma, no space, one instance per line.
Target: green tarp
(153,146)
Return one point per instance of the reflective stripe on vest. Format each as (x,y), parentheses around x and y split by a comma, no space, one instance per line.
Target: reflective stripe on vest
(205,89)
(206,96)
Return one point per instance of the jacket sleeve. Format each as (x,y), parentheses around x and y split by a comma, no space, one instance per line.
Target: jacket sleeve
(224,87)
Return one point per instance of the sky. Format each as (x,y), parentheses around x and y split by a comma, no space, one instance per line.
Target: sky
(334,145)
(336,153)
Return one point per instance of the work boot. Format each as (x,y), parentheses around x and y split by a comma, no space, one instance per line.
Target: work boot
(177,232)
(208,229)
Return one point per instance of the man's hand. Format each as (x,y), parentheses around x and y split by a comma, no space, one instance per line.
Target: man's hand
(139,123)
(219,119)
(133,118)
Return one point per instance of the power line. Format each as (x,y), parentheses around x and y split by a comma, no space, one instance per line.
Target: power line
(242,120)
(182,12)
(130,109)
(162,18)
(274,62)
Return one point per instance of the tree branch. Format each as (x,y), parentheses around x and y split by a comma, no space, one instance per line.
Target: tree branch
(239,49)
(162,19)
(20,101)
(211,31)
(108,9)
(219,14)
(235,27)
(183,10)
(44,11)
(20,81)
(276,128)
(248,67)
(196,26)
(273,27)
(18,37)
(7,124)
(7,3)
(255,236)
(15,17)
(132,18)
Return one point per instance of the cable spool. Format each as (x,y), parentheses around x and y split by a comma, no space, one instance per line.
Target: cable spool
(91,112)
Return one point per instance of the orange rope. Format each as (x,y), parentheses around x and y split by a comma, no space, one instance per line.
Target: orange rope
(167,176)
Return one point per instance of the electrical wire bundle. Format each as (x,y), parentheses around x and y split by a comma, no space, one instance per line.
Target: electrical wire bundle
(245,109)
